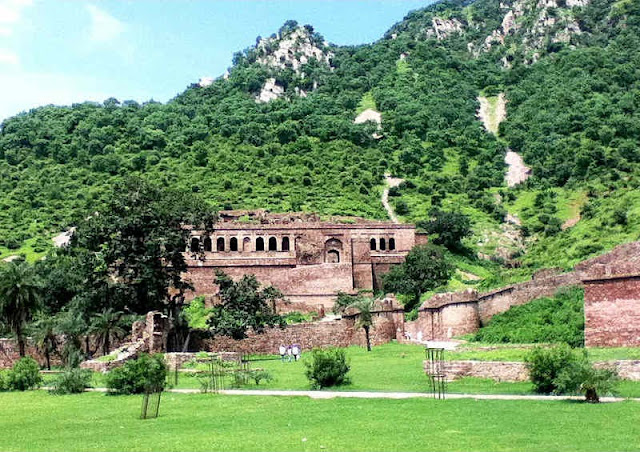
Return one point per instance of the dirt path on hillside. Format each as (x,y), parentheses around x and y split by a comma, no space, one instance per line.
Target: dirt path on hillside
(517,171)
(389,183)
(492,117)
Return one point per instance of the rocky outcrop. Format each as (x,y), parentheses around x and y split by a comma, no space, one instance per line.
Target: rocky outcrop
(536,22)
(443,28)
(291,50)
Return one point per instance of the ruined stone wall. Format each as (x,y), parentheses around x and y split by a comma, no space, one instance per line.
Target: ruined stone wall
(517,370)
(322,259)
(388,326)
(10,353)
(612,306)
(498,301)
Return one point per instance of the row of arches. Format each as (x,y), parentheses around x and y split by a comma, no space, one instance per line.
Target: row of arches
(381,244)
(233,244)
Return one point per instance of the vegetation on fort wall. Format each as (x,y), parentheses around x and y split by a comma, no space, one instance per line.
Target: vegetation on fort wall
(546,320)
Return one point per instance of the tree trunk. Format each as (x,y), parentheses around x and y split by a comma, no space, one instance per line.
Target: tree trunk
(592,396)
(47,357)
(185,346)
(106,345)
(20,338)
(86,345)
(366,333)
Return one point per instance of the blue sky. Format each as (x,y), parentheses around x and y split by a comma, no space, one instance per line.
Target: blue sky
(65,51)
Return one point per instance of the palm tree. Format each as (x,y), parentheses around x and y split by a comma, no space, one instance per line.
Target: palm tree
(20,297)
(44,333)
(107,326)
(364,305)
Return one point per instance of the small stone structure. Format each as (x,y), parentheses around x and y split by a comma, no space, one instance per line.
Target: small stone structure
(149,336)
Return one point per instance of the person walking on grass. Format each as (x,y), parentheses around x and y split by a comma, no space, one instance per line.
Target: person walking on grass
(283,352)
(289,353)
(295,350)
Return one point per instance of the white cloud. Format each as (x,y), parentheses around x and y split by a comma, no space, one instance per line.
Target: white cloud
(11,11)
(104,27)
(8,58)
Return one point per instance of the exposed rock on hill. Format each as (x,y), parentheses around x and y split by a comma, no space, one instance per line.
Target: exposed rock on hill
(292,50)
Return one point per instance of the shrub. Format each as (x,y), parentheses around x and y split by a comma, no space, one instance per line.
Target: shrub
(327,367)
(545,364)
(145,374)
(581,376)
(4,381)
(24,375)
(562,370)
(72,381)
(545,320)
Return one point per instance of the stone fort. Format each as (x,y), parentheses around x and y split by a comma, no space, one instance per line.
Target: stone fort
(308,258)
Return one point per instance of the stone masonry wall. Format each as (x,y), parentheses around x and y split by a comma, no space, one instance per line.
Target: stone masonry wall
(517,371)
(388,325)
(612,307)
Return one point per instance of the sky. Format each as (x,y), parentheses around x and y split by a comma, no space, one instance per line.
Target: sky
(66,51)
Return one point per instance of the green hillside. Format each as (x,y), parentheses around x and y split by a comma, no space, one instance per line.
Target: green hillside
(569,73)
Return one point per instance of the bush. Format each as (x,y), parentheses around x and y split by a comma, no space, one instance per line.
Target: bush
(327,367)
(145,374)
(545,320)
(72,381)
(4,381)
(545,364)
(24,375)
(562,370)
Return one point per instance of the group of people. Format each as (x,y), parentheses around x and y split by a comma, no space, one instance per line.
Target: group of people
(289,353)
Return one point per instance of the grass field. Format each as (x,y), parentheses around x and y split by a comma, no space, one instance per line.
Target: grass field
(36,421)
(398,367)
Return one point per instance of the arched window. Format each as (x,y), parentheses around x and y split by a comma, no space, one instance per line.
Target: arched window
(246,244)
(383,245)
(373,244)
(273,244)
(259,244)
(195,245)
(392,244)
(285,243)
(233,244)
(220,244)
(207,244)
(333,257)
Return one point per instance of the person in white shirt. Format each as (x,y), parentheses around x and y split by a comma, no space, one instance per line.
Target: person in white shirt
(295,349)
(283,352)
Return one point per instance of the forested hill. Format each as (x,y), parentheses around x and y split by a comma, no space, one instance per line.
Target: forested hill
(279,131)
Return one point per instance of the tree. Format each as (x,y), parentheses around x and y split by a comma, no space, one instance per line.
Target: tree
(130,253)
(43,331)
(364,306)
(562,370)
(424,268)
(244,306)
(106,326)
(450,228)
(20,297)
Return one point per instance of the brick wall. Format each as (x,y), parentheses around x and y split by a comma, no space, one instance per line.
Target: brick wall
(388,325)
(612,307)
(517,371)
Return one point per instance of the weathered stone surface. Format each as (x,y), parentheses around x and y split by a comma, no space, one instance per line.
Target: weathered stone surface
(517,371)
(310,260)
(612,305)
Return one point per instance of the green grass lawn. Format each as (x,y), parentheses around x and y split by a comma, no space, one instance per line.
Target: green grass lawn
(398,367)
(37,421)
